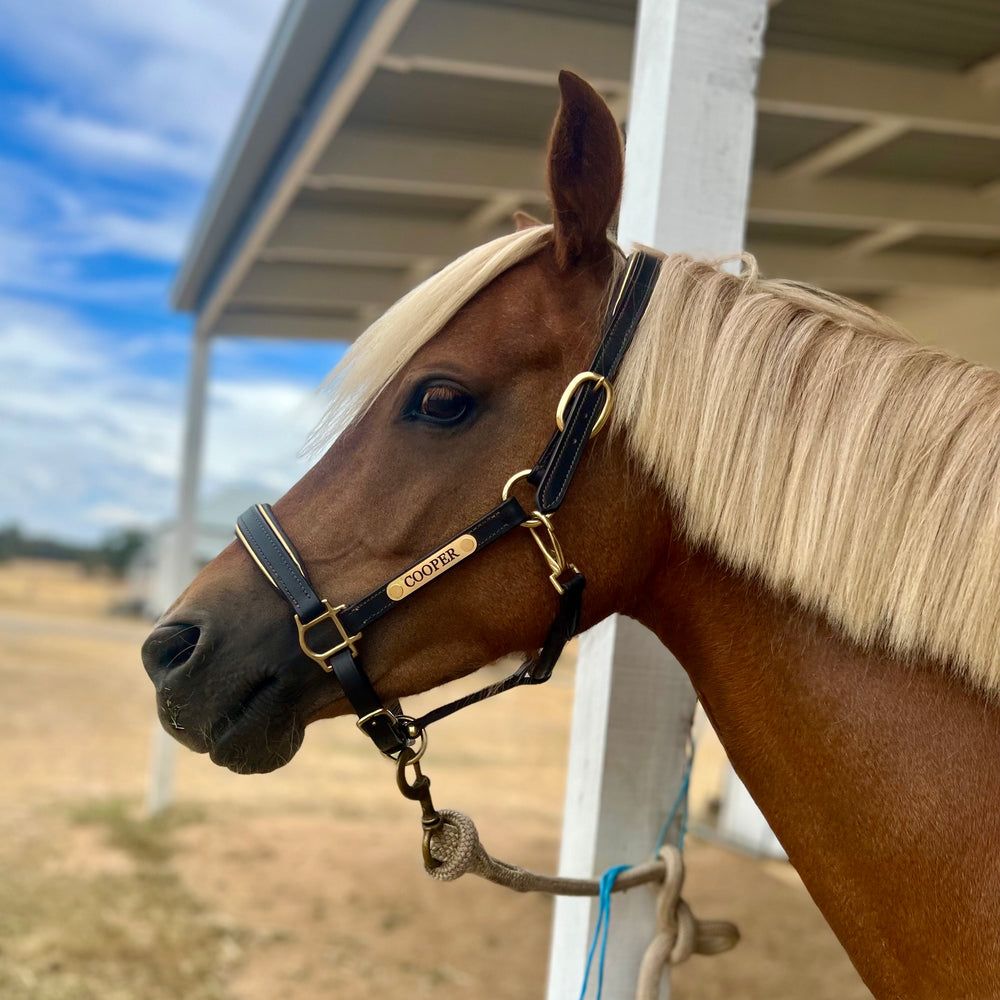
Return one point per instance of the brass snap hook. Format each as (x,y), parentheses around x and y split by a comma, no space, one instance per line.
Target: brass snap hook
(419,790)
(549,546)
(551,550)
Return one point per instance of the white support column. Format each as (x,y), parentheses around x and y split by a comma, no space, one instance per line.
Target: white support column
(182,567)
(687,177)
(631,718)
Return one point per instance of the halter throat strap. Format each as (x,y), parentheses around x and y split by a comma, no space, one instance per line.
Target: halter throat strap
(329,635)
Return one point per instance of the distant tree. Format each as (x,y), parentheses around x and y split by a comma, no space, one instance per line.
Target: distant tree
(113,554)
(10,542)
(14,544)
(118,550)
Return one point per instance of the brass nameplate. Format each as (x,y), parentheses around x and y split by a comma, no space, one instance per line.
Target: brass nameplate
(433,566)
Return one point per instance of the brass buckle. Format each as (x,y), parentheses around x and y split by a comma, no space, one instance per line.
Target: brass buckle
(602,383)
(329,615)
(413,733)
(551,550)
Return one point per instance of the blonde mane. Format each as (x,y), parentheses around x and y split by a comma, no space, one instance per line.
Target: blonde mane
(814,446)
(803,438)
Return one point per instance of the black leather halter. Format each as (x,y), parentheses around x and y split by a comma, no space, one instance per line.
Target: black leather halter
(330,635)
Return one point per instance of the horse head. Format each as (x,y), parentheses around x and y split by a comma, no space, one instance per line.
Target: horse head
(446,397)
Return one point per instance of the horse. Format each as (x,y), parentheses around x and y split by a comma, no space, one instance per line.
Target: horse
(801,502)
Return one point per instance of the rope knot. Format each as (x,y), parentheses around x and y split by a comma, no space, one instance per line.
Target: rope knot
(455,845)
(679,934)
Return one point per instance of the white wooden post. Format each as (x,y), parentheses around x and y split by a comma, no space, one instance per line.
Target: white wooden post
(182,563)
(687,175)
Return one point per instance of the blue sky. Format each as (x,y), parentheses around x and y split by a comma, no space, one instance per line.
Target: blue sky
(115,114)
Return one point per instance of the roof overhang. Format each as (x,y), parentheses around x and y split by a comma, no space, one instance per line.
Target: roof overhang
(383,137)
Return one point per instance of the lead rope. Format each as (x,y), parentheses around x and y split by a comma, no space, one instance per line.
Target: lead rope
(452,848)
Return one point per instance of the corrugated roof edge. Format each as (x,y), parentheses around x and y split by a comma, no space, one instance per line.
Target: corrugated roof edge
(295,60)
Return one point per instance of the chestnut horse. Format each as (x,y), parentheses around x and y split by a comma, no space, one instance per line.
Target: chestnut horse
(799,501)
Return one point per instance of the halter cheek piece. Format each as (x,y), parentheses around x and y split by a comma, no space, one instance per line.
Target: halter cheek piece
(330,635)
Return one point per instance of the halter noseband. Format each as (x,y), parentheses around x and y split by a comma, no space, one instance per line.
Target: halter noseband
(330,635)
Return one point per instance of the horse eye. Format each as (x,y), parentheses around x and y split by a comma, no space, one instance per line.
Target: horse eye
(441,404)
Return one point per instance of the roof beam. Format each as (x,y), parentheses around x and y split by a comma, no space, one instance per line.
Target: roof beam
(836,269)
(511,44)
(273,287)
(292,298)
(436,165)
(286,325)
(880,239)
(987,72)
(387,240)
(845,148)
(843,202)
(298,48)
(493,212)
(840,89)
(318,287)
(383,160)
(444,36)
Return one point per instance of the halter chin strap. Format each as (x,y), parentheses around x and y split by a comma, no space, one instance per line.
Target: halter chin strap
(330,635)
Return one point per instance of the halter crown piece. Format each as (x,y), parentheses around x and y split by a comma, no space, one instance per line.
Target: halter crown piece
(330,635)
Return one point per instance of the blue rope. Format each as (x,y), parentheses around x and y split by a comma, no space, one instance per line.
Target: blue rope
(679,802)
(601,930)
(608,880)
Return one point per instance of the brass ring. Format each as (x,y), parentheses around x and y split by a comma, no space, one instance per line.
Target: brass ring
(421,736)
(532,522)
(601,382)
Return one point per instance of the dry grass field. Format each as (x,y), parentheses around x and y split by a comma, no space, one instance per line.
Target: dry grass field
(305,884)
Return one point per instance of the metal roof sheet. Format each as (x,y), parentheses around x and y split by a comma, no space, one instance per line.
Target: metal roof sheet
(962,245)
(933,34)
(783,139)
(787,232)
(964,160)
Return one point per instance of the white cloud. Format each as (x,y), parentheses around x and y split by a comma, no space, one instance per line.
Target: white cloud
(160,238)
(91,442)
(26,341)
(117,148)
(142,91)
(48,231)
(116,516)
(176,70)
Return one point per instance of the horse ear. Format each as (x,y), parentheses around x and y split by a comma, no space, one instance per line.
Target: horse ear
(522,220)
(586,167)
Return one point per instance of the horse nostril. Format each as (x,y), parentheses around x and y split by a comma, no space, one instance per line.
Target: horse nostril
(169,647)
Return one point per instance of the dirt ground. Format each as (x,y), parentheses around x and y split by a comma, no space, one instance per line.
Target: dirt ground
(305,884)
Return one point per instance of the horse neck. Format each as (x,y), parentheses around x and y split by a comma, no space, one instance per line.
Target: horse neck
(879,778)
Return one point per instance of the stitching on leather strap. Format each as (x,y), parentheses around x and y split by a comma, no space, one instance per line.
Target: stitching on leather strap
(288,566)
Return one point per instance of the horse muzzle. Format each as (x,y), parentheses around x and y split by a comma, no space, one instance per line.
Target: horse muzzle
(250,718)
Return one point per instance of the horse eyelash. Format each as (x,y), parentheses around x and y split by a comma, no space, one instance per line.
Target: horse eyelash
(413,409)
